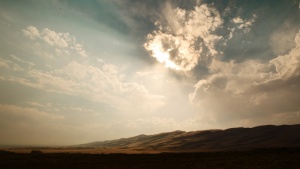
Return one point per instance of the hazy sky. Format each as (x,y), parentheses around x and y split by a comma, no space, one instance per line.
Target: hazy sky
(75,71)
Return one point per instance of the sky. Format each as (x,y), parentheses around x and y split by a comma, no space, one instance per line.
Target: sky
(74,71)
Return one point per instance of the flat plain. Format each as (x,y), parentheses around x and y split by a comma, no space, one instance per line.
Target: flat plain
(255,159)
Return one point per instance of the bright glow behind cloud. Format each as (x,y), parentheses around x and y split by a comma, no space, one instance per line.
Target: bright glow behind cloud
(184,37)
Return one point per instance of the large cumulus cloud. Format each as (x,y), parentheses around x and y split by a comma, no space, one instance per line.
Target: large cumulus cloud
(183,37)
(245,62)
(252,93)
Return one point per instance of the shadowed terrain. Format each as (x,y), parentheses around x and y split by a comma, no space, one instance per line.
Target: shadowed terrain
(209,140)
(254,159)
(269,146)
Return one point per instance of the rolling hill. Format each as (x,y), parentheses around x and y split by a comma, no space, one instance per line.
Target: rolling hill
(268,136)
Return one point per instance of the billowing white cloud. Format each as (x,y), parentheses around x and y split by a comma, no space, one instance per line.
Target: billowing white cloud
(244,24)
(79,49)
(108,85)
(104,84)
(288,65)
(252,92)
(185,37)
(282,38)
(31,32)
(53,38)
(100,82)
(237,20)
(56,39)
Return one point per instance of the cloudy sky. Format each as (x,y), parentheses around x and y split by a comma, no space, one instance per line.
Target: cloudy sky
(76,71)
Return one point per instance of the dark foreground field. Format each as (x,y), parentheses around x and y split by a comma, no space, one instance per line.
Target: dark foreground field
(264,158)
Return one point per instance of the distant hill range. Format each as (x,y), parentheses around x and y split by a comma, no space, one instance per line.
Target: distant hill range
(268,136)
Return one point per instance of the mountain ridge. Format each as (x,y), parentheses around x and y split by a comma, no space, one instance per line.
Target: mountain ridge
(267,136)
